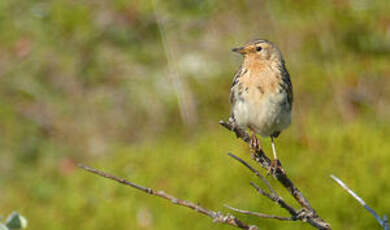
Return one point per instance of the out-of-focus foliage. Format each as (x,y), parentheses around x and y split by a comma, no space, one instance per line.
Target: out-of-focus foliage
(137,88)
(14,221)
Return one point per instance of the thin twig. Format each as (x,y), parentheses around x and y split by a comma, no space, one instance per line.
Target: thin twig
(279,200)
(216,216)
(383,222)
(261,215)
(265,162)
(258,174)
(273,196)
(259,156)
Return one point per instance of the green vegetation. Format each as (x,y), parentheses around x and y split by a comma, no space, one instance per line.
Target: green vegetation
(14,221)
(88,81)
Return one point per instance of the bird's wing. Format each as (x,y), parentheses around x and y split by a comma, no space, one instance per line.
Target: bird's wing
(288,86)
(238,74)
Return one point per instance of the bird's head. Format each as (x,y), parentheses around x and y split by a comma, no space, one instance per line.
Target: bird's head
(260,50)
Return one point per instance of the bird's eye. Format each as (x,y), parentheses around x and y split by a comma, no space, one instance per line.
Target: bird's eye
(258,49)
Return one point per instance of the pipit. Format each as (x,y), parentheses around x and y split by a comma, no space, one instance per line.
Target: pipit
(261,93)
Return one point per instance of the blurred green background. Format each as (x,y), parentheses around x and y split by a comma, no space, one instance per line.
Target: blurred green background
(137,88)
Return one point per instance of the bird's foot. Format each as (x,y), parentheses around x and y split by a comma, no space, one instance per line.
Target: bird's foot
(275,165)
(255,143)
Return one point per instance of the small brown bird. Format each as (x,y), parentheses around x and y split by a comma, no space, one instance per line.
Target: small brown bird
(261,93)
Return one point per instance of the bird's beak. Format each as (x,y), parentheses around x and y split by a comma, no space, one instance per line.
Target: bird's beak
(240,50)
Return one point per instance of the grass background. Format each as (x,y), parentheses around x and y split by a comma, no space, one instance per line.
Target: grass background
(137,88)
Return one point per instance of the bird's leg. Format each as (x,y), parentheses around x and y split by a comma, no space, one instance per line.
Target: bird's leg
(274,148)
(254,142)
(275,162)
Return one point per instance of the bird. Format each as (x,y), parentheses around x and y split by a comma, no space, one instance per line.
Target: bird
(261,94)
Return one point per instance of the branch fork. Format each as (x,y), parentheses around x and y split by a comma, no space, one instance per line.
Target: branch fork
(305,214)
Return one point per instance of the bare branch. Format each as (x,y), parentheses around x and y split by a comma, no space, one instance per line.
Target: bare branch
(344,186)
(276,198)
(383,222)
(265,162)
(308,214)
(258,174)
(261,215)
(216,216)
(273,196)
(239,132)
